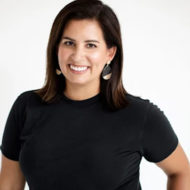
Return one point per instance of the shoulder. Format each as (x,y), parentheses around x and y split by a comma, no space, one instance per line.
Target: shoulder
(136,101)
(27,94)
(25,98)
(143,106)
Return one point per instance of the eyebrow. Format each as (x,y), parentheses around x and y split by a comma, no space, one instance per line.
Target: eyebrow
(68,38)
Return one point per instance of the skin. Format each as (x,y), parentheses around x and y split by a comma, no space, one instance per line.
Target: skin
(76,50)
(177,168)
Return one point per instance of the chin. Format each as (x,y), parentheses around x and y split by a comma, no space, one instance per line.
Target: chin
(78,82)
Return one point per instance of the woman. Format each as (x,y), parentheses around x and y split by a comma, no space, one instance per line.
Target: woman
(82,130)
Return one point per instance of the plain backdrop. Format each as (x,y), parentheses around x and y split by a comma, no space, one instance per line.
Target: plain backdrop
(156,44)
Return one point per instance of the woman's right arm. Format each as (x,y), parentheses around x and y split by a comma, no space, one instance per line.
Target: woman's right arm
(11,176)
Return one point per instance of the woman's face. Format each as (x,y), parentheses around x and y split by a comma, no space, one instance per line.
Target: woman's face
(82,45)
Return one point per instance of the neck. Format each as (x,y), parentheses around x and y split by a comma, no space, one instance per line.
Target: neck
(81,92)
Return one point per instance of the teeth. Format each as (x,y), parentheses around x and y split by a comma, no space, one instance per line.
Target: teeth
(78,68)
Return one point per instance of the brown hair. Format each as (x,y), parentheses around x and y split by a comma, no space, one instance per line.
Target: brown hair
(112,90)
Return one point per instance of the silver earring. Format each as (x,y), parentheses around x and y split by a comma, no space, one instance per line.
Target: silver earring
(106,73)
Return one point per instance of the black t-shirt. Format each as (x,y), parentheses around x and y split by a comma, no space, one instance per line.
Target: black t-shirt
(80,145)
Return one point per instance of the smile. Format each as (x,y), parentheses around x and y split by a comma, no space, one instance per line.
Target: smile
(77,70)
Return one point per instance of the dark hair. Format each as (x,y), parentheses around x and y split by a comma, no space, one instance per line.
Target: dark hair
(112,90)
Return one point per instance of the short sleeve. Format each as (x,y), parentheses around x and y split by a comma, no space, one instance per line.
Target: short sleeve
(159,139)
(10,145)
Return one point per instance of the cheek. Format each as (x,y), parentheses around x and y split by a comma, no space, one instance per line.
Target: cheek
(63,55)
(96,55)
(98,59)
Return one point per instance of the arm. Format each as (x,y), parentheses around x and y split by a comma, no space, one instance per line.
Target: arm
(11,177)
(177,168)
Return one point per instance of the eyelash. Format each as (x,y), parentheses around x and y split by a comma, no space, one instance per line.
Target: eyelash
(72,42)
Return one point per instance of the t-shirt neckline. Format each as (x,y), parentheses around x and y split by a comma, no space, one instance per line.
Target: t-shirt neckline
(83,102)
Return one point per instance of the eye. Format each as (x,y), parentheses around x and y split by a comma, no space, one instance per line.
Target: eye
(91,45)
(68,43)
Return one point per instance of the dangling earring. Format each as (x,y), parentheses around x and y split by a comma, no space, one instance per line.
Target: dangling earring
(58,72)
(106,73)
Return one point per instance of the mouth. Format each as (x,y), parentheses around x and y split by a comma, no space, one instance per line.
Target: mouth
(76,69)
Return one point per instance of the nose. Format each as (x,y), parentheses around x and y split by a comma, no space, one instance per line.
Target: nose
(78,53)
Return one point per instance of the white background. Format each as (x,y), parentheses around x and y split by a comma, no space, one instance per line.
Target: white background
(156,44)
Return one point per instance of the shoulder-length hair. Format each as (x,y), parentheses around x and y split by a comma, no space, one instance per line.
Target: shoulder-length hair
(112,91)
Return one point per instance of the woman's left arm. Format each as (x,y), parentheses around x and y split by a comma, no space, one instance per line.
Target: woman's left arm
(177,168)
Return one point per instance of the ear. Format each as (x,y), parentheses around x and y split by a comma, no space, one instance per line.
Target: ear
(112,52)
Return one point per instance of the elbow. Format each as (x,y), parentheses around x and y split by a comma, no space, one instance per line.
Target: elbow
(185,172)
(180,180)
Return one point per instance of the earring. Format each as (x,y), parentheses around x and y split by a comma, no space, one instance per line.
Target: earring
(58,72)
(106,73)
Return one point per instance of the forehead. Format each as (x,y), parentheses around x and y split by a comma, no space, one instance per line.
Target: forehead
(84,28)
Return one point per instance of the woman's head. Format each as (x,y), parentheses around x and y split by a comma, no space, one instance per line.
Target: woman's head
(74,20)
(82,45)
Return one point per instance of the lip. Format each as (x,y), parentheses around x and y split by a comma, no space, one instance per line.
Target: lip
(79,65)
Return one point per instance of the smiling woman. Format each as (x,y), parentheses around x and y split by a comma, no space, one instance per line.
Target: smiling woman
(80,63)
(82,130)
(88,38)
